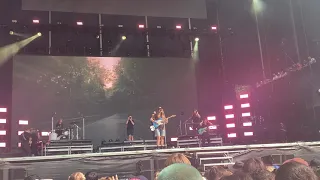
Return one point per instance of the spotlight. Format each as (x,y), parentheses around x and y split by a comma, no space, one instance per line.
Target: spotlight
(123,37)
(36,21)
(11,32)
(178,26)
(39,34)
(214,28)
(196,39)
(141,26)
(79,23)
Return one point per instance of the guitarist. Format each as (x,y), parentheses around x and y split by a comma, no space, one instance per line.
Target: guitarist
(160,132)
(26,141)
(204,124)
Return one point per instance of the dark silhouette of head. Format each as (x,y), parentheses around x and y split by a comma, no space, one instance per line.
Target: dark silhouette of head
(216,173)
(295,171)
(177,158)
(239,175)
(91,175)
(263,175)
(252,165)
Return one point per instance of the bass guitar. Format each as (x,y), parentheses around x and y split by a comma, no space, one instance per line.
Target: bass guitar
(202,130)
(205,129)
(160,122)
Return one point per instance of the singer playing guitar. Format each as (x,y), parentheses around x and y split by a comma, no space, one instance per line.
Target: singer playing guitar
(159,127)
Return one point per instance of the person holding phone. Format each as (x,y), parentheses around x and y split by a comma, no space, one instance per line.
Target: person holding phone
(130,128)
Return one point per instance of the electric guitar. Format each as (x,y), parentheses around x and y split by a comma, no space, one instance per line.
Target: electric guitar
(160,122)
(202,130)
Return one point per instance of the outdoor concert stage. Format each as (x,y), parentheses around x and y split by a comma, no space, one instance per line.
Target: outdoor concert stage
(126,163)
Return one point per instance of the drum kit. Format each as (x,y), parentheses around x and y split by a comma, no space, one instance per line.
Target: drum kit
(70,133)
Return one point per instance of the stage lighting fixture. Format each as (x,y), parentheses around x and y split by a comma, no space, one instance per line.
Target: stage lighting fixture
(20,132)
(3,121)
(214,28)
(174,139)
(45,133)
(141,26)
(79,23)
(245,105)
(228,107)
(14,21)
(39,34)
(229,116)
(232,135)
(120,26)
(3,132)
(2,144)
(247,124)
(213,127)
(248,133)
(11,32)
(244,96)
(3,109)
(159,27)
(23,122)
(246,114)
(232,125)
(178,26)
(124,38)
(211,118)
(36,21)
(196,39)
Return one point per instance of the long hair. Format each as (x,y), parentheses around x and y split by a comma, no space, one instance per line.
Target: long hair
(161,114)
(77,176)
(177,158)
(253,164)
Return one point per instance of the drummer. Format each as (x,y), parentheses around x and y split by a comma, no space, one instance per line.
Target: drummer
(59,127)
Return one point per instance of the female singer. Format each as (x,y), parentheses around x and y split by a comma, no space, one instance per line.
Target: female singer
(160,132)
(130,128)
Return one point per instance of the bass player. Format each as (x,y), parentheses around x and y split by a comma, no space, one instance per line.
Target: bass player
(203,131)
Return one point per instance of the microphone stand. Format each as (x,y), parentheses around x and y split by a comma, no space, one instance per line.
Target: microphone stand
(185,126)
(52,121)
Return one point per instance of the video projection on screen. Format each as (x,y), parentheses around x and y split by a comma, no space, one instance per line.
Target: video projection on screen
(104,90)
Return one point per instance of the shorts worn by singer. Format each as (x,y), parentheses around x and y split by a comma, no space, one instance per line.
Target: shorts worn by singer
(160,132)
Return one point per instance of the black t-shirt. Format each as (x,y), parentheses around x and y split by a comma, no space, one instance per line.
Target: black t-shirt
(59,126)
(24,137)
(34,137)
(195,118)
(130,125)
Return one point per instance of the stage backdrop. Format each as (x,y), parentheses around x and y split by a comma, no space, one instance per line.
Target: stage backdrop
(104,90)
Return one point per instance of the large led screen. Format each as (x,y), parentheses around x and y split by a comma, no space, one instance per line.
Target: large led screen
(103,90)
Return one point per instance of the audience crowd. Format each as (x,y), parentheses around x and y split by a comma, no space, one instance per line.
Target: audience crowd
(178,167)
